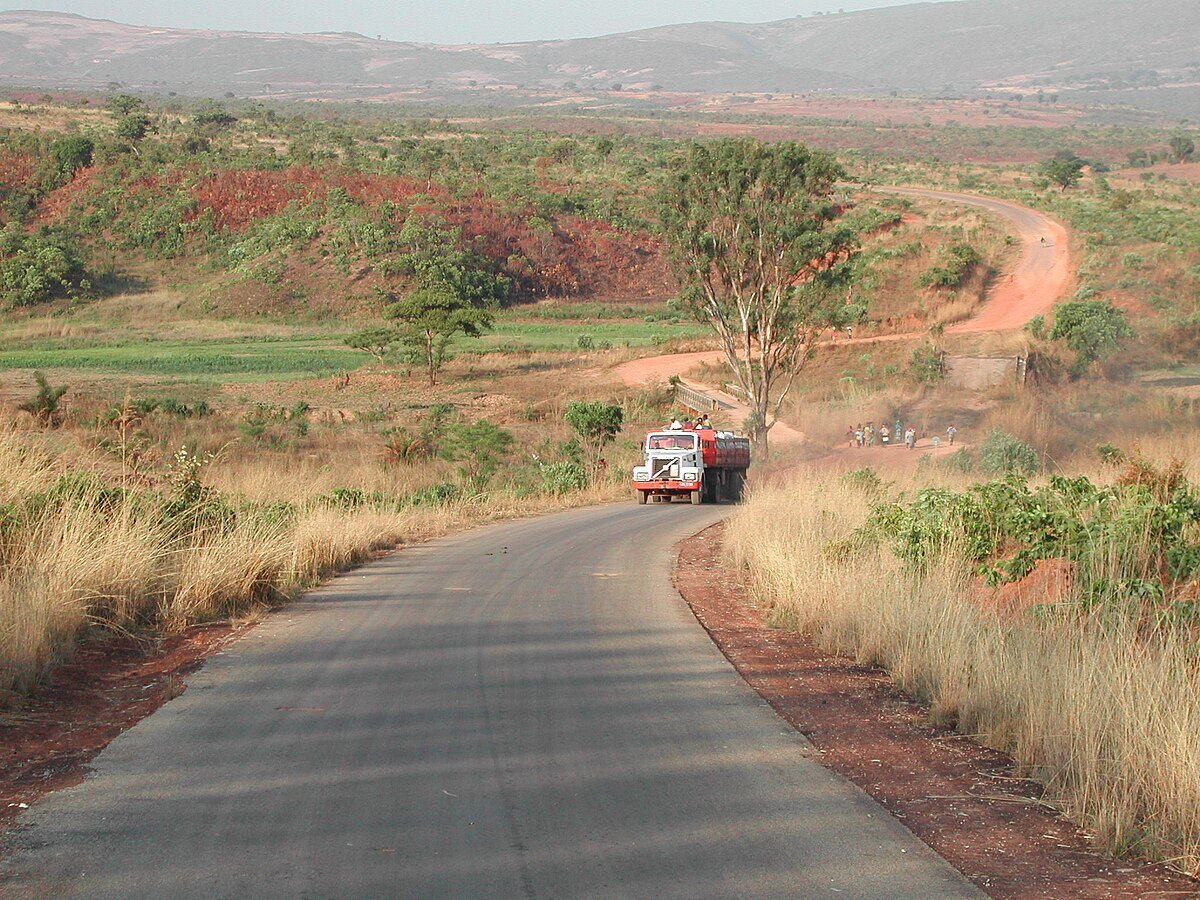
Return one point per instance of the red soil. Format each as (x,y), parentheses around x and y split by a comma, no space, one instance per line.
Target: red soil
(47,741)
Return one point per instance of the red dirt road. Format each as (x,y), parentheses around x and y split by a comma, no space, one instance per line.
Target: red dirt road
(1043,271)
(1040,278)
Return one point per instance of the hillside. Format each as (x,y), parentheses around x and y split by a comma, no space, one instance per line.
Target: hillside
(1141,53)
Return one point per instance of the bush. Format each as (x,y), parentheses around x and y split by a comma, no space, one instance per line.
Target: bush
(1001,452)
(563,477)
(925,365)
(36,267)
(1091,328)
(44,405)
(960,259)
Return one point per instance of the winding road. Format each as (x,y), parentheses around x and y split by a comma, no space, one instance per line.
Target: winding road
(525,710)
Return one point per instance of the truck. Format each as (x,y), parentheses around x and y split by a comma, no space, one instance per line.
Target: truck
(703,465)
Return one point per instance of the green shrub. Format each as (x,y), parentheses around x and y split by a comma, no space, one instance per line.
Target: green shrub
(37,267)
(563,477)
(958,262)
(1001,452)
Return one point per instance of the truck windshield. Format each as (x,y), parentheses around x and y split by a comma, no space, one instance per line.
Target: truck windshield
(672,441)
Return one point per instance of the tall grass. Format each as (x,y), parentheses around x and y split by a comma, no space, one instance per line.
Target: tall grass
(1106,718)
(81,556)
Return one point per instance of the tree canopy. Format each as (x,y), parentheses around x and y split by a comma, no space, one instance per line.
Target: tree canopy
(1091,328)
(1064,169)
(755,239)
(596,423)
(454,294)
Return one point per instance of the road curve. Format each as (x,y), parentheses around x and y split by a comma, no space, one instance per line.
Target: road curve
(1039,280)
(526,710)
(1042,272)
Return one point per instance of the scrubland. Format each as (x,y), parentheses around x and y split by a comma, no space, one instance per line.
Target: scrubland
(1056,621)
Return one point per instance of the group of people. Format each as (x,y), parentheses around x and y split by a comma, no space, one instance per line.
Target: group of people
(870,434)
(688,425)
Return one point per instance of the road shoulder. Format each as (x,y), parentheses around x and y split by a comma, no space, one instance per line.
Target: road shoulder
(960,798)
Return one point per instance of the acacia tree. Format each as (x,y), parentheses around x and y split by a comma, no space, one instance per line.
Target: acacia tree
(454,293)
(1064,169)
(756,242)
(429,318)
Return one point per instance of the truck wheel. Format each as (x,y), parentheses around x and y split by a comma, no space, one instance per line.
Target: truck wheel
(641,497)
(697,498)
(737,485)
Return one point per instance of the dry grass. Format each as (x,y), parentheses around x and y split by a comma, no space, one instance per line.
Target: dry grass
(1108,721)
(98,561)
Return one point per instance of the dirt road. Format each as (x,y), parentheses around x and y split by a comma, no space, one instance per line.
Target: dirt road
(1038,280)
(1042,273)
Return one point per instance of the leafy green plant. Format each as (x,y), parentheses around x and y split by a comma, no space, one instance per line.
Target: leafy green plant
(925,364)
(958,262)
(596,424)
(1091,328)
(45,405)
(478,448)
(1001,452)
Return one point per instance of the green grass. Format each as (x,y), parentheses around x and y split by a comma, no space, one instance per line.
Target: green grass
(289,358)
(259,360)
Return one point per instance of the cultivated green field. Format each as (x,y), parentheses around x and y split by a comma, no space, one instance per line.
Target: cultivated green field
(283,358)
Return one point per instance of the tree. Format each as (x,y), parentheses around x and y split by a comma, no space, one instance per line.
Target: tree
(132,128)
(1091,328)
(597,424)
(429,318)
(72,153)
(755,240)
(1182,147)
(124,105)
(454,293)
(376,341)
(44,405)
(211,113)
(1064,169)
(478,448)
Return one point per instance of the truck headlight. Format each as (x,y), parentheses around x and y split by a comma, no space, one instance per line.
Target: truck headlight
(691,474)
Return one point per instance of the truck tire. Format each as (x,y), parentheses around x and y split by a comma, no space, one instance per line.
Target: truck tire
(737,485)
(697,497)
(641,497)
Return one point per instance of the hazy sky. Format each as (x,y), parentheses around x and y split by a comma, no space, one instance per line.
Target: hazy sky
(443,21)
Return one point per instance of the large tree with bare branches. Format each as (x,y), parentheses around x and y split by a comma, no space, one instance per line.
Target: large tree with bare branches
(761,255)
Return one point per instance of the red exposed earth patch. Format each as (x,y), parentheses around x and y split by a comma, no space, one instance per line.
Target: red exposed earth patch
(957,796)
(47,741)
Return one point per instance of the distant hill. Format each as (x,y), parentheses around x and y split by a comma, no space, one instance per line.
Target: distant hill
(1141,52)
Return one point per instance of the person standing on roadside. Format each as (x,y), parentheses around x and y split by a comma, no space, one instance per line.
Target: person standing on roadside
(910,438)
(950,433)
(858,435)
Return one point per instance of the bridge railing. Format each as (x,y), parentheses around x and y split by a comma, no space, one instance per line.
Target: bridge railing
(698,400)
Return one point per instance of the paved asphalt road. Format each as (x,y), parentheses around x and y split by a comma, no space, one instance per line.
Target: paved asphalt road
(528,710)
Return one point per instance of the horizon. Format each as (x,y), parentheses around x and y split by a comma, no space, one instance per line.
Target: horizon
(454,22)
